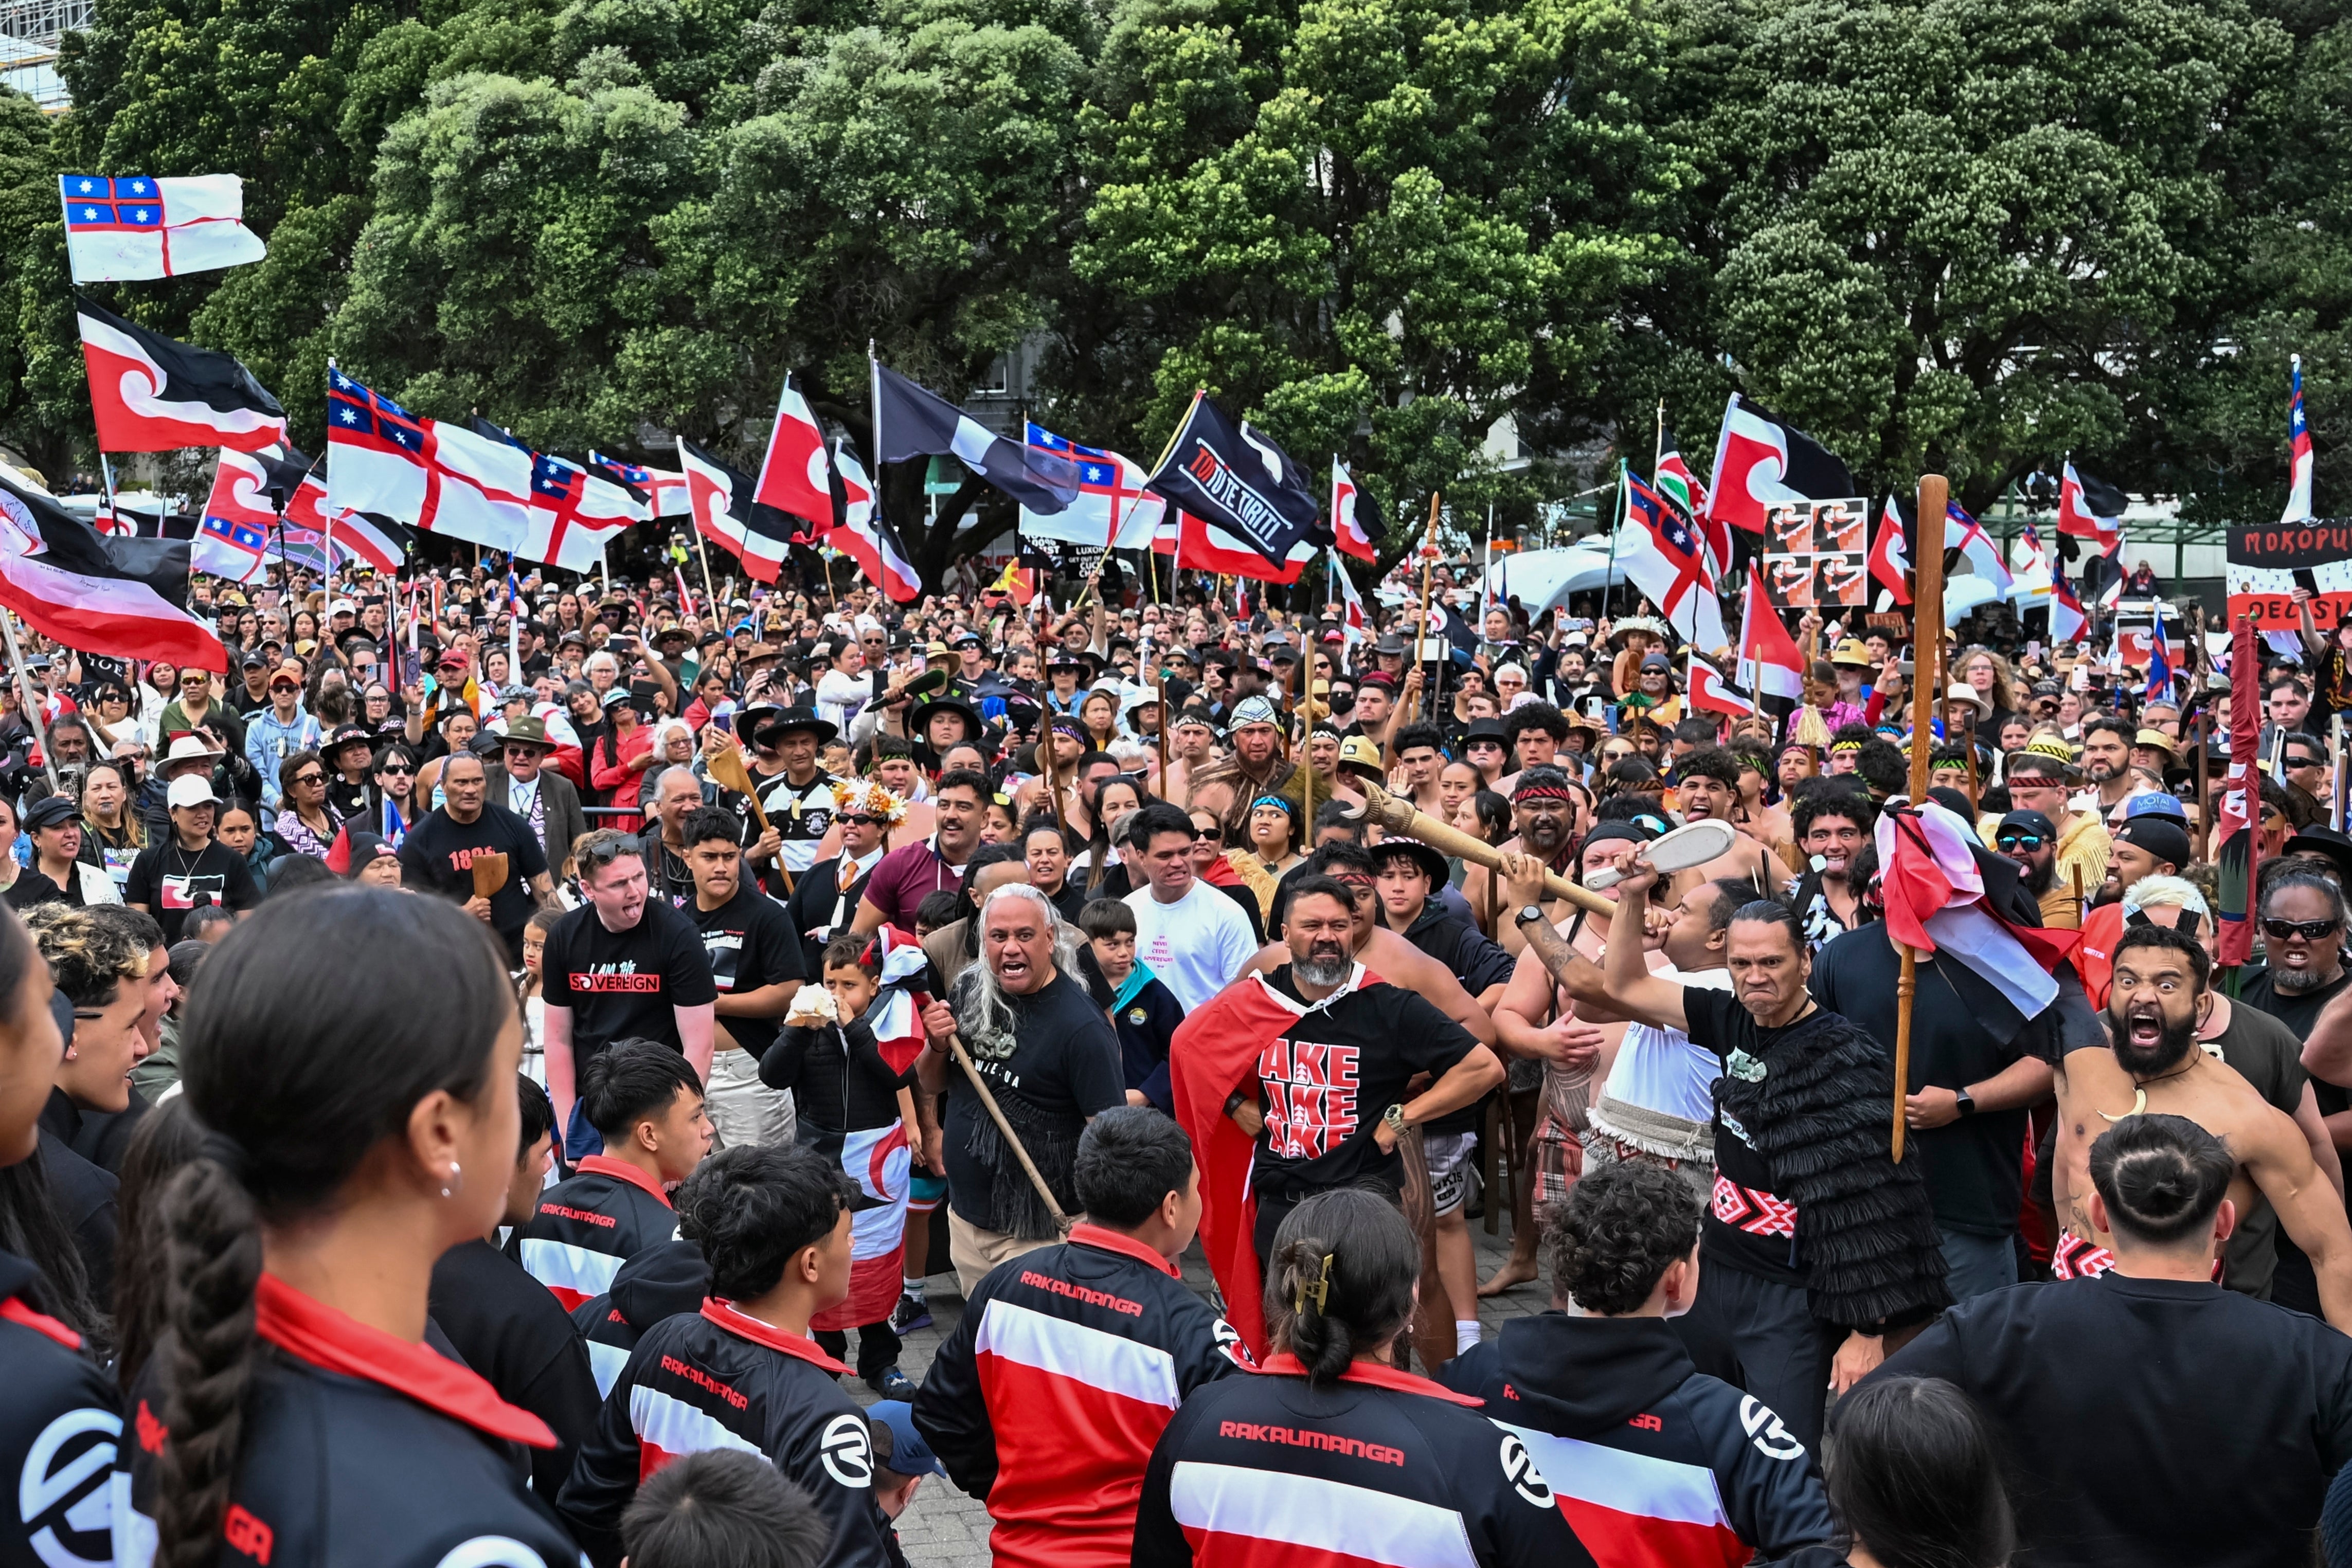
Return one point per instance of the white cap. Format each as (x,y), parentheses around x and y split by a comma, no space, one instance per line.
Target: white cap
(191,790)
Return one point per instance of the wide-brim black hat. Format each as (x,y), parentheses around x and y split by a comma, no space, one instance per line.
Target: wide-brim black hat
(762,720)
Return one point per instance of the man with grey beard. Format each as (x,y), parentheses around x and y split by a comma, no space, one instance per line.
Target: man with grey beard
(1330,1102)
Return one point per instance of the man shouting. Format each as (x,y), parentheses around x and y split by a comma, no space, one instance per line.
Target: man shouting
(2158,998)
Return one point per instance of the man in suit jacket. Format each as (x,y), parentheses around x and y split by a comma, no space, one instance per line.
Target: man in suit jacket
(539,795)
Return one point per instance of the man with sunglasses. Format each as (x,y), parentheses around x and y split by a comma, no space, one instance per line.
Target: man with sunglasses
(2029,839)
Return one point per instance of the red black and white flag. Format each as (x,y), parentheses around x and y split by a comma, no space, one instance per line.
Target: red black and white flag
(1348,530)
(1710,693)
(149,393)
(123,597)
(729,513)
(1890,553)
(861,533)
(1761,462)
(794,477)
(2089,508)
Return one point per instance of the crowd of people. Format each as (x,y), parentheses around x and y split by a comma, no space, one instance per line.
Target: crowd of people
(487,1082)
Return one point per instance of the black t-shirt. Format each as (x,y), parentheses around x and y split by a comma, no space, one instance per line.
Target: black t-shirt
(1975,1166)
(2258,1048)
(2151,1423)
(31,888)
(439,856)
(2299,1010)
(1327,1077)
(169,881)
(1061,1057)
(750,943)
(1750,1228)
(623,984)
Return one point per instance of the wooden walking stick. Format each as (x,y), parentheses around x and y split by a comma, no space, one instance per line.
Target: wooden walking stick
(1928,622)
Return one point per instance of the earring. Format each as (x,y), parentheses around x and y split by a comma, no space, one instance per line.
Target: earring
(457,1177)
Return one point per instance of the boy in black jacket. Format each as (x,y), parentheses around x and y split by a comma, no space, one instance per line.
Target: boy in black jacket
(1144,1011)
(851,1106)
(1709,1475)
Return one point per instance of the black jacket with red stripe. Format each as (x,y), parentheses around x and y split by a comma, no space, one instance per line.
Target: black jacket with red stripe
(1047,1398)
(361,1450)
(720,1379)
(1271,1471)
(1653,1460)
(58,1428)
(587,1227)
(664,1280)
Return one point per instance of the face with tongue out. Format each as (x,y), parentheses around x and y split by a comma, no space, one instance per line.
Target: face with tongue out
(2154,1009)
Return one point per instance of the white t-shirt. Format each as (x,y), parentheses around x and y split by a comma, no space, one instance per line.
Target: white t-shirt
(1197,945)
(1660,1069)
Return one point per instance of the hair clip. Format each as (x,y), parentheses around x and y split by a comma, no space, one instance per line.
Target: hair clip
(1319,1292)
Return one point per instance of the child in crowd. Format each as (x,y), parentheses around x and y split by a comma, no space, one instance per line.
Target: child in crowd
(1145,1012)
(856,1110)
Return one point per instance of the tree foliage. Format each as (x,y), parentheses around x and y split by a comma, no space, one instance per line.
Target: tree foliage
(1957,233)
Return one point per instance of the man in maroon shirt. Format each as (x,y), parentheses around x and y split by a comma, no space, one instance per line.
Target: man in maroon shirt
(912,873)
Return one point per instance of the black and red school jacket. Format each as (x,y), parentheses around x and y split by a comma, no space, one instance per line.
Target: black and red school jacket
(1382,1468)
(1046,1400)
(723,1379)
(58,1426)
(361,1450)
(587,1227)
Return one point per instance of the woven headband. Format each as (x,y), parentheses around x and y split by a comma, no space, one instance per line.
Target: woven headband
(1540,792)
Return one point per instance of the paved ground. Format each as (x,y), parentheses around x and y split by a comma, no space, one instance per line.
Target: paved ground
(944,1528)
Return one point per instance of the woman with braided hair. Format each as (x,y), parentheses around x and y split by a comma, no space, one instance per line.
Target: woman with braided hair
(297,1406)
(60,1419)
(1335,1446)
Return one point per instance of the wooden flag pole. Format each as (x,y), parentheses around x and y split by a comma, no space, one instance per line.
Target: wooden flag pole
(1421,627)
(1928,622)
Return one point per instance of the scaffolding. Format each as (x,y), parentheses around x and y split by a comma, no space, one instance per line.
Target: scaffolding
(29,33)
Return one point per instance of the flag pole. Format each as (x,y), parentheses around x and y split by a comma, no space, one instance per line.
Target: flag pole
(1421,627)
(32,704)
(1608,577)
(1658,455)
(1929,621)
(709,592)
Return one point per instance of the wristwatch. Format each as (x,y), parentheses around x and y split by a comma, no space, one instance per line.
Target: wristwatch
(1394,1117)
(1529,916)
(1968,1106)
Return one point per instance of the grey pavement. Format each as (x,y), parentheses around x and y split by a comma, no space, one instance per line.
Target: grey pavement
(944,1528)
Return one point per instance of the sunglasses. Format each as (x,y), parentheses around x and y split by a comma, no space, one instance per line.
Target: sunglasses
(2309,930)
(2303,762)
(861,820)
(310,778)
(284,686)
(2026,841)
(397,770)
(1213,835)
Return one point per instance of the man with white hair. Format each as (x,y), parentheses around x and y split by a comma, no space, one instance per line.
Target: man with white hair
(1051,1064)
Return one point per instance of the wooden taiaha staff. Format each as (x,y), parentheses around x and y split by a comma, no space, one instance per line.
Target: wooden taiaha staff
(1928,622)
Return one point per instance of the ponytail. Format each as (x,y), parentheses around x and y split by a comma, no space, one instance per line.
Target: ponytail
(1345,1263)
(292,1098)
(212,1259)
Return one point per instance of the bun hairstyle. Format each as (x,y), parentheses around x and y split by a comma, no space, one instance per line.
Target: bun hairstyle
(2162,1177)
(1345,1263)
(293,1097)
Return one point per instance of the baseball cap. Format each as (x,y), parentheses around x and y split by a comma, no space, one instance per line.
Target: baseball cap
(2158,835)
(2027,822)
(910,1455)
(191,789)
(2157,803)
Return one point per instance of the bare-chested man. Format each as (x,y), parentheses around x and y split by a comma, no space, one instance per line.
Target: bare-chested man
(1226,786)
(1707,787)
(1543,817)
(2158,1000)
(1192,744)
